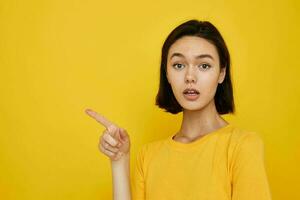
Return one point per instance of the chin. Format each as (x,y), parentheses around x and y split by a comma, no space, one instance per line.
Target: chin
(192,105)
(192,108)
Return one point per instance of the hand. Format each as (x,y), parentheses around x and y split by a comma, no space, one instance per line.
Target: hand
(114,142)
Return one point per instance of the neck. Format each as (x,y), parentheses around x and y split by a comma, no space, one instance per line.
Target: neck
(196,123)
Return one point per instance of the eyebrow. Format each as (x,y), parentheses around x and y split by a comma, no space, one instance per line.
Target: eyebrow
(198,56)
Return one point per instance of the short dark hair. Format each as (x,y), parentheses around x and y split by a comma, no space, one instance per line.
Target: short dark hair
(224,94)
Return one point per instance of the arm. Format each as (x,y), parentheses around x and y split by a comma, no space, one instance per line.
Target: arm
(138,186)
(249,177)
(121,178)
(115,143)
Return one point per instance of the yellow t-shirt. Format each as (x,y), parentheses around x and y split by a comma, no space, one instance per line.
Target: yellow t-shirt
(226,164)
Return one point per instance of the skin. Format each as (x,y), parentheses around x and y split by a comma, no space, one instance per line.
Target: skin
(200,117)
(115,143)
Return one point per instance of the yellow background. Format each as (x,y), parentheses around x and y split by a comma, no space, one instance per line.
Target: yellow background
(58,58)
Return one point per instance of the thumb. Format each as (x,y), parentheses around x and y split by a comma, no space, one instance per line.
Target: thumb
(113,130)
(123,134)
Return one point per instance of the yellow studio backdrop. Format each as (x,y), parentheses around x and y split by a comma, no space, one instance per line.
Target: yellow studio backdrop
(58,58)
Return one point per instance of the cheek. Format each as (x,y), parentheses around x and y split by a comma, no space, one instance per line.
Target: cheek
(208,84)
(175,84)
(174,79)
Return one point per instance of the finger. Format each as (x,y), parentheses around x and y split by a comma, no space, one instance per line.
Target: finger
(119,139)
(123,134)
(107,152)
(113,130)
(109,139)
(99,118)
(108,146)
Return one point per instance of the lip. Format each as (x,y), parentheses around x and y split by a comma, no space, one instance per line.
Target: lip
(194,89)
(191,97)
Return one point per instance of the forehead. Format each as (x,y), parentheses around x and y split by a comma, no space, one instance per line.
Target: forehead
(191,46)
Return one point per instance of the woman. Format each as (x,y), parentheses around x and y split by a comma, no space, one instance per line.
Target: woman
(208,158)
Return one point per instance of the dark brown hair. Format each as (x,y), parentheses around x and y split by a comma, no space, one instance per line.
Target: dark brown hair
(224,94)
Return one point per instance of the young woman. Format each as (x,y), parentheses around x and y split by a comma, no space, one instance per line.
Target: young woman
(208,158)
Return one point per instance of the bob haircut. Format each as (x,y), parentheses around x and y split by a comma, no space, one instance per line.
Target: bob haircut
(223,98)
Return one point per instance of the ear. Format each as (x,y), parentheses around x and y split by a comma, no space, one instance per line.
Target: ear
(222,75)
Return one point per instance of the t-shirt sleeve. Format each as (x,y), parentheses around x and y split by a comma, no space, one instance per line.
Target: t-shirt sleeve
(249,177)
(138,183)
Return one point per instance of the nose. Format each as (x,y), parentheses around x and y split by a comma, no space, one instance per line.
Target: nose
(190,77)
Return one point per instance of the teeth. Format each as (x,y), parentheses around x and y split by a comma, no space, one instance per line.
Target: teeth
(191,92)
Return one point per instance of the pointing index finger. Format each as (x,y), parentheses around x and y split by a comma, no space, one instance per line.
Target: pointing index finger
(99,118)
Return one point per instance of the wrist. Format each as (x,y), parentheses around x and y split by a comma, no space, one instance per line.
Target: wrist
(123,160)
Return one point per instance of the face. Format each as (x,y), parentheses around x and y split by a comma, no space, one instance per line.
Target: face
(186,68)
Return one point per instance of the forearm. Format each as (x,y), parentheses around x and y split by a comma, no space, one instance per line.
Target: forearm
(121,178)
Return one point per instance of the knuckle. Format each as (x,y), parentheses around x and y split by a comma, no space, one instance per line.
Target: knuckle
(106,145)
(106,152)
(112,141)
(114,144)
(101,138)
(111,153)
(105,136)
(109,147)
(101,149)
(111,127)
(114,150)
(102,142)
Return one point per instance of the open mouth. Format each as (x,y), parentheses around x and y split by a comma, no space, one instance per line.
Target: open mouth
(191,94)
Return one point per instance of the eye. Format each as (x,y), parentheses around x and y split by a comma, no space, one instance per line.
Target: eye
(176,64)
(206,66)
